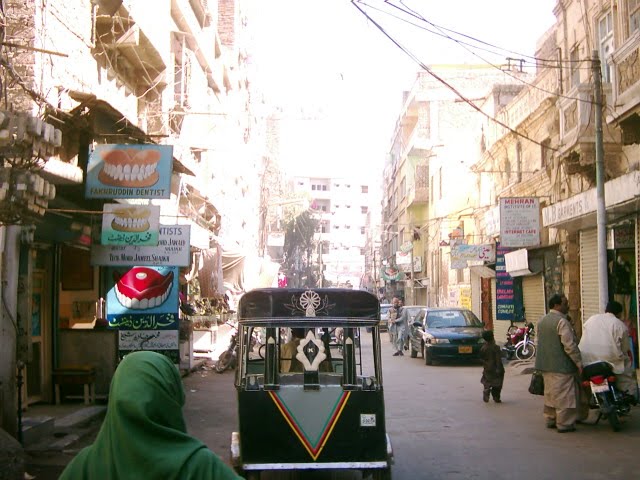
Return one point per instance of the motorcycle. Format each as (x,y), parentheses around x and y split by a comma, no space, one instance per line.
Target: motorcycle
(520,342)
(229,358)
(611,403)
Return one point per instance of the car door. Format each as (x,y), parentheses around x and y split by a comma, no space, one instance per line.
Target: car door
(416,330)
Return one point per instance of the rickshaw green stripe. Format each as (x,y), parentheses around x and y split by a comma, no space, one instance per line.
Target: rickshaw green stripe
(331,419)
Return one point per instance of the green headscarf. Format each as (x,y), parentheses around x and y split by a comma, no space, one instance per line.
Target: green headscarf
(144,434)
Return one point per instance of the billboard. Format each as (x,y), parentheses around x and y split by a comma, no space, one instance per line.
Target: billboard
(519,222)
(129,171)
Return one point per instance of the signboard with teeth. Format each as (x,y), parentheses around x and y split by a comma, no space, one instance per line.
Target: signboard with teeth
(129,171)
(142,304)
(130,224)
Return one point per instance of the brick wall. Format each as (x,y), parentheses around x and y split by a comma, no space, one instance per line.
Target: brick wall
(227,13)
(20,30)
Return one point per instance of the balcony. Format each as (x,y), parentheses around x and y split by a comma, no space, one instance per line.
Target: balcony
(578,133)
(419,194)
(626,87)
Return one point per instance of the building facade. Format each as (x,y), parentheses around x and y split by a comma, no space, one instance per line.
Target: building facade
(109,72)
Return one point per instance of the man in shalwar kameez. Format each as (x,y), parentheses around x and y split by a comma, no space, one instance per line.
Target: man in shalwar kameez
(558,358)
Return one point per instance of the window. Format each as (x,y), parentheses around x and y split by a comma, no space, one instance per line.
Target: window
(348,227)
(348,186)
(519,162)
(323,228)
(403,187)
(574,58)
(545,153)
(324,188)
(364,189)
(364,209)
(634,16)
(362,252)
(323,208)
(336,227)
(362,230)
(440,183)
(313,187)
(605,37)
(348,206)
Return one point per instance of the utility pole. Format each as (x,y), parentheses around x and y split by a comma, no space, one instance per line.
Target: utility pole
(603,281)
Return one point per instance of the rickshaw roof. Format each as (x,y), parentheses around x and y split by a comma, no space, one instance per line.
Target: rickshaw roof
(300,305)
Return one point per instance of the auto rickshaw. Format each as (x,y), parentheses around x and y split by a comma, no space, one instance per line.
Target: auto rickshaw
(311,397)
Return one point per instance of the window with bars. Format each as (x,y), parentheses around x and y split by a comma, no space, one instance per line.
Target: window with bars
(633,7)
(574,58)
(605,38)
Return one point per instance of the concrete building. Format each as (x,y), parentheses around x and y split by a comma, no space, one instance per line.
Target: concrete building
(342,205)
(428,190)
(114,72)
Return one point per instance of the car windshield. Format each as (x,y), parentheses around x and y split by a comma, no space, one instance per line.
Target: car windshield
(452,318)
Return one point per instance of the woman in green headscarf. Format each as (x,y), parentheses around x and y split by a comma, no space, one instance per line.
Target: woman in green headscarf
(144,434)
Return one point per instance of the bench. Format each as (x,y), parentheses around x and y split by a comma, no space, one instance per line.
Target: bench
(76,375)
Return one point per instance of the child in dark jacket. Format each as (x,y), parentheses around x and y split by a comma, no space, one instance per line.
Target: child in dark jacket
(493,369)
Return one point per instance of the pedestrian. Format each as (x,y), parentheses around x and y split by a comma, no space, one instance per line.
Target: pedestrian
(401,324)
(144,434)
(606,338)
(558,358)
(393,315)
(492,368)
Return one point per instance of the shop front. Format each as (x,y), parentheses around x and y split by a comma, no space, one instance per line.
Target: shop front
(577,215)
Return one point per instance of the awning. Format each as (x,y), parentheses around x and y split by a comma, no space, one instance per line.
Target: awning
(483,271)
(517,263)
(126,130)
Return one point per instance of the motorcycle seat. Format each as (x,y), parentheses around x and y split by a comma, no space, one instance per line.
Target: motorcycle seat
(597,368)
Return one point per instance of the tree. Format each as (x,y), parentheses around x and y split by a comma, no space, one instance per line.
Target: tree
(299,244)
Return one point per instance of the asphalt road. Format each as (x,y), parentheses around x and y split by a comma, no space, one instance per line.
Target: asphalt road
(441,429)
(439,426)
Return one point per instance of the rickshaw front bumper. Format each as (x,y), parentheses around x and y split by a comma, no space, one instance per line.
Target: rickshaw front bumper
(236,460)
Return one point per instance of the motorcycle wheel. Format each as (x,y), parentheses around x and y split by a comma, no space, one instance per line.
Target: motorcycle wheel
(614,421)
(525,351)
(223,362)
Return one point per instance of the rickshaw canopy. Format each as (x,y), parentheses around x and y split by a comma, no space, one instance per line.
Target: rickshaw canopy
(301,307)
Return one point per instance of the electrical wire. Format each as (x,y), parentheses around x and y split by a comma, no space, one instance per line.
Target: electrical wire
(415,14)
(445,83)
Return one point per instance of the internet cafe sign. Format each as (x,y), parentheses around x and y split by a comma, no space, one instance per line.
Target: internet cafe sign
(519,222)
(173,249)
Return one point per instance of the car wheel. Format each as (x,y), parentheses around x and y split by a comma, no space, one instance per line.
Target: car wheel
(428,359)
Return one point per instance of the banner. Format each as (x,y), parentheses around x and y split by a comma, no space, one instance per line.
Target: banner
(519,222)
(129,171)
(130,224)
(461,254)
(173,249)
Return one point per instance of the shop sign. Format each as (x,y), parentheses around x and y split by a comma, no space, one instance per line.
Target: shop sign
(130,224)
(520,222)
(406,247)
(465,297)
(405,266)
(129,171)
(275,239)
(142,304)
(390,273)
(505,298)
(474,253)
(173,249)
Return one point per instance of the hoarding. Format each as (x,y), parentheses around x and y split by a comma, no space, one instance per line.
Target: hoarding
(129,171)
(130,224)
(519,222)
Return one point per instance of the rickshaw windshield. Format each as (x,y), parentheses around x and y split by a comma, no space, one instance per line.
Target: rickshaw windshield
(311,337)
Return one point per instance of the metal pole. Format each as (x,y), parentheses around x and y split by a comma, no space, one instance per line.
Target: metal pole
(603,281)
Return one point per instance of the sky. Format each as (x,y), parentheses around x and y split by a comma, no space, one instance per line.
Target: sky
(340,80)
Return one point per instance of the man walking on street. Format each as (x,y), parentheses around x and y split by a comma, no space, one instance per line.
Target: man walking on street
(559,360)
(398,320)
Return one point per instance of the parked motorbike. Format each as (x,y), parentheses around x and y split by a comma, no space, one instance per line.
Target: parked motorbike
(611,403)
(229,358)
(520,342)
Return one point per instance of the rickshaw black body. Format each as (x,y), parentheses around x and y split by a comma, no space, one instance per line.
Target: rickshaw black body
(311,419)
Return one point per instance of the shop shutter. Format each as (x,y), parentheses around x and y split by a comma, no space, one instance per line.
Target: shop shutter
(590,303)
(533,297)
(500,327)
